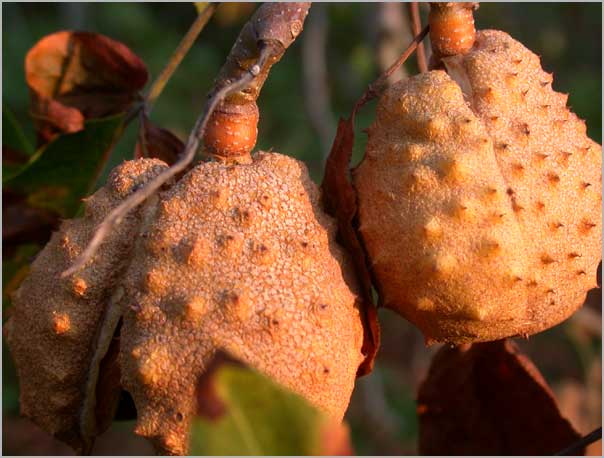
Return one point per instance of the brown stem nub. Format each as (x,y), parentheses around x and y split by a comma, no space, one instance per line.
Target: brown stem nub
(452,27)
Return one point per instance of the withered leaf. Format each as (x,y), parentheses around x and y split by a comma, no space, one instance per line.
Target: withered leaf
(489,399)
(157,142)
(52,118)
(74,76)
(339,198)
(108,388)
(22,222)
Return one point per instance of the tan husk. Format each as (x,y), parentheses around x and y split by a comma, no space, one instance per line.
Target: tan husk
(239,258)
(481,217)
(58,325)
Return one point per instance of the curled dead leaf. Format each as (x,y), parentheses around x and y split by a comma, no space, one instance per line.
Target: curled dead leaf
(75,76)
(339,200)
(489,399)
(157,142)
(52,118)
(24,223)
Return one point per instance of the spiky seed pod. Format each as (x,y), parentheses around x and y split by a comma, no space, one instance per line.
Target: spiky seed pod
(240,258)
(58,324)
(481,221)
(552,169)
(434,213)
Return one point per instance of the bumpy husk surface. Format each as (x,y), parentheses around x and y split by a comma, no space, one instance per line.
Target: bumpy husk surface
(58,325)
(239,258)
(479,197)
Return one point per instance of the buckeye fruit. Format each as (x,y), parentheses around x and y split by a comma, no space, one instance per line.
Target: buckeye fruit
(233,257)
(479,197)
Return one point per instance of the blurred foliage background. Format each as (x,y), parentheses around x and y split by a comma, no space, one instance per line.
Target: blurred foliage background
(343,48)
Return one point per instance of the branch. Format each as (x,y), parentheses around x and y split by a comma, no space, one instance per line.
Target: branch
(578,446)
(181,51)
(376,87)
(262,42)
(142,134)
(142,109)
(274,24)
(416,26)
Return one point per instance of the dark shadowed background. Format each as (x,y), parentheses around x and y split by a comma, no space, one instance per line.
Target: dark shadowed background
(349,44)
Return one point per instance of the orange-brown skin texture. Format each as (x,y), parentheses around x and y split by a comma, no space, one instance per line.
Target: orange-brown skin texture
(482,219)
(53,330)
(239,258)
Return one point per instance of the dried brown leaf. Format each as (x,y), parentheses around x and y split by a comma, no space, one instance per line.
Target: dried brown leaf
(23,223)
(489,399)
(157,142)
(339,198)
(75,76)
(108,386)
(52,118)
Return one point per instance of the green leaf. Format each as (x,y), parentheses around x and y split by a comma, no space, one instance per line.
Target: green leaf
(260,418)
(13,135)
(10,387)
(15,269)
(62,172)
